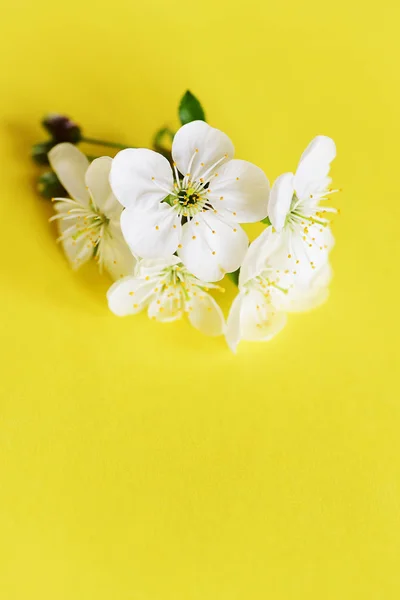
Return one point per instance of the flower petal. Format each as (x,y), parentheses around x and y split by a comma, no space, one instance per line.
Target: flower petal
(166,307)
(153,267)
(303,251)
(280,200)
(205,314)
(78,251)
(258,254)
(128,296)
(314,165)
(241,189)
(212,246)
(151,234)
(97,180)
(70,166)
(197,147)
(141,175)
(232,334)
(259,320)
(117,257)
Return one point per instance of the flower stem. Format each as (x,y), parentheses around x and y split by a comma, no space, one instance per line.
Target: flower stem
(96,142)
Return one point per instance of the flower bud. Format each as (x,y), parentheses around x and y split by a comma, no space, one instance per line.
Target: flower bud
(49,186)
(40,151)
(62,129)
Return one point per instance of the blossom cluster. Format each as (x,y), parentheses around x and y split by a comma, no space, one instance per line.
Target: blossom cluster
(167,229)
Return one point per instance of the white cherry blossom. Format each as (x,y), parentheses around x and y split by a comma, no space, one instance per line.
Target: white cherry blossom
(269,287)
(167,290)
(195,207)
(89,221)
(295,209)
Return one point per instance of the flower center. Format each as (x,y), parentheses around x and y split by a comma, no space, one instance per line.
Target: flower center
(188,201)
(188,197)
(266,281)
(308,209)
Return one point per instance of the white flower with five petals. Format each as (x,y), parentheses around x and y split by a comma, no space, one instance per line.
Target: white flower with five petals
(269,288)
(89,221)
(294,207)
(167,290)
(193,209)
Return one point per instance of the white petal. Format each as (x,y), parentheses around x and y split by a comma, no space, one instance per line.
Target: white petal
(197,147)
(310,301)
(212,246)
(306,288)
(70,166)
(241,189)
(141,175)
(258,254)
(167,306)
(317,293)
(280,200)
(128,296)
(151,234)
(259,320)
(313,251)
(232,334)
(314,165)
(77,251)
(154,266)
(117,257)
(205,314)
(97,180)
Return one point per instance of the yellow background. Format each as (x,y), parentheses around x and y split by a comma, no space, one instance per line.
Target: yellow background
(146,462)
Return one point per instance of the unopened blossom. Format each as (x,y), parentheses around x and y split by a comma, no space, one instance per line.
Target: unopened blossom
(89,221)
(167,290)
(269,287)
(295,208)
(195,207)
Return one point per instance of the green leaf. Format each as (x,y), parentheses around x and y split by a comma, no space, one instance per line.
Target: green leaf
(234,276)
(190,109)
(266,221)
